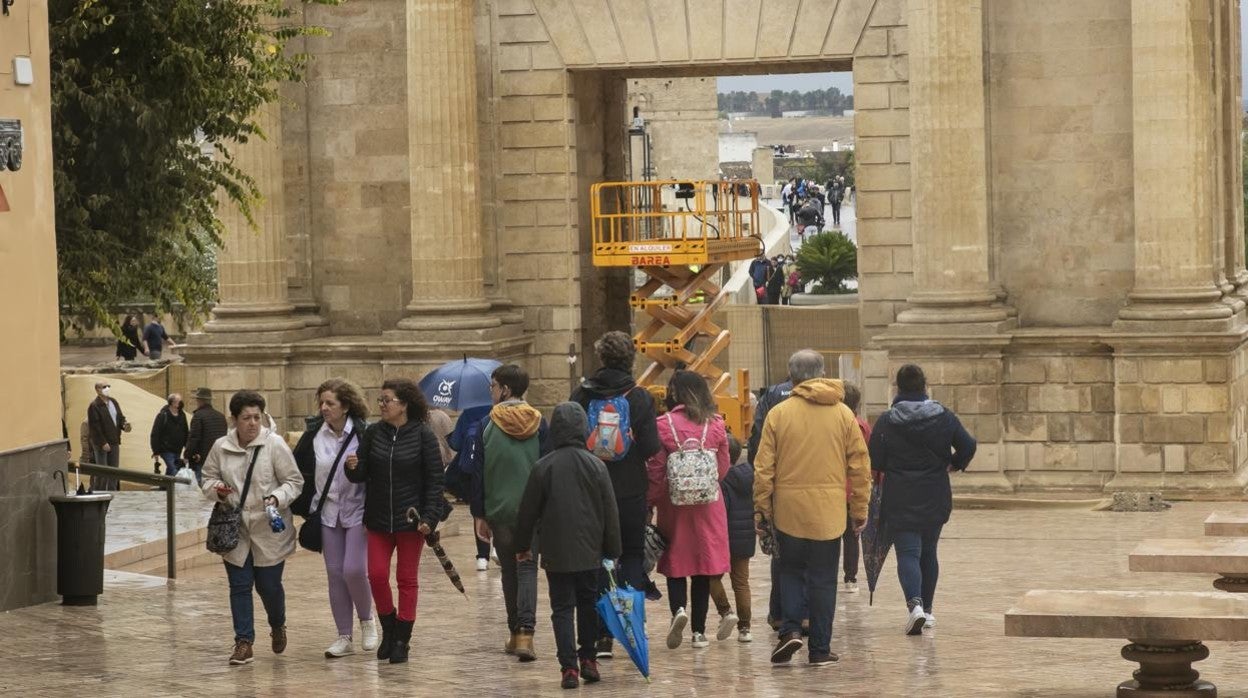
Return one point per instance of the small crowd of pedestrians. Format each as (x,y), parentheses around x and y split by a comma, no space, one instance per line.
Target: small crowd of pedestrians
(775,279)
(614,476)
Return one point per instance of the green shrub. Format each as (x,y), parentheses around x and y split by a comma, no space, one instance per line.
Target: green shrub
(829,259)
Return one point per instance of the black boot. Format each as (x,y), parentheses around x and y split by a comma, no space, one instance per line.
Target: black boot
(402,641)
(386,647)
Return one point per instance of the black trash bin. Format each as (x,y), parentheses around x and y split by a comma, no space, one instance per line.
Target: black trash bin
(80,546)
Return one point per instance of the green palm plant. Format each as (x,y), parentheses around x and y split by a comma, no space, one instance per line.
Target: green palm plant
(830,259)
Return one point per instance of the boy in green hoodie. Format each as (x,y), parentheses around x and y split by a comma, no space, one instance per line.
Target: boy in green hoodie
(510,440)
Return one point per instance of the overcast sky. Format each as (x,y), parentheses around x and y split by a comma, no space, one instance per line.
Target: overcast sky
(844,81)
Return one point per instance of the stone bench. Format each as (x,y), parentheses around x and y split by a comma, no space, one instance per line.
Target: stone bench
(1166,631)
(1225,557)
(1228,525)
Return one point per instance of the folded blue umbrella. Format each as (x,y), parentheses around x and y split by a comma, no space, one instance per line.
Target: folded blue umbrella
(460,384)
(623,611)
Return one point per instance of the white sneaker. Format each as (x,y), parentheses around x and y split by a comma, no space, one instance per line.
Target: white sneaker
(676,631)
(700,641)
(744,636)
(727,623)
(851,587)
(482,564)
(368,634)
(341,647)
(931,621)
(915,621)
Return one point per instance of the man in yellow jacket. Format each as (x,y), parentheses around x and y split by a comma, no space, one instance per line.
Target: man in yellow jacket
(810,447)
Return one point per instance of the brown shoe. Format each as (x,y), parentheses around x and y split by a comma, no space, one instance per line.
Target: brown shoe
(510,647)
(242,653)
(524,645)
(279,639)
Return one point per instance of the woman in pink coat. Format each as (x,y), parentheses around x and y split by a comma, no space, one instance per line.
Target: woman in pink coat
(697,534)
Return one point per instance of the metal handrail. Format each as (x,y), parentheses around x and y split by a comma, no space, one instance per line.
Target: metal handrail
(165,481)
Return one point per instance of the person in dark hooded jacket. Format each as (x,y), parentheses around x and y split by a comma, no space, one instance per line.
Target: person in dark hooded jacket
(916,444)
(738,490)
(570,505)
(629,480)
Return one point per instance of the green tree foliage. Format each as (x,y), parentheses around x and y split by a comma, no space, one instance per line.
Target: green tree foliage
(141,89)
(830,259)
(829,101)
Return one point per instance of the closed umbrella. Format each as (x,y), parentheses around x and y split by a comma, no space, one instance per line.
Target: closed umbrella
(623,612)
(876,540)
(434,540)
(457,385)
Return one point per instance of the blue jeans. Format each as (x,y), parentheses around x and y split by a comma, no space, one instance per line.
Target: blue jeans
(268,583)
(917,566)
(171,460)
(808,571)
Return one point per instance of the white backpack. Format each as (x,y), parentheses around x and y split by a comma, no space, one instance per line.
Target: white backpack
(692,470)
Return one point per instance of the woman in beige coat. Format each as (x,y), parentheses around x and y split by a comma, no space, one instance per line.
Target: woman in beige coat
(258,559)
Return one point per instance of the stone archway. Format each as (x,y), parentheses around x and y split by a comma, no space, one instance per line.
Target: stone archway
(559,89)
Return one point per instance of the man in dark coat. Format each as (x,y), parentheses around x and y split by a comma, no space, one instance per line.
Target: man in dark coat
(773,396)
(570,505)
(207,425)
(106,422)
(916,444)
(629,481)
(169,434)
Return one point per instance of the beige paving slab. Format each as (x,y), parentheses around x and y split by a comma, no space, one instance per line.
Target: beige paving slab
(1224,524)
(1213,555)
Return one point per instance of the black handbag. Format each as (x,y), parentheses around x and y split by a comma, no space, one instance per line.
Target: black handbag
(310,534)
(226,522)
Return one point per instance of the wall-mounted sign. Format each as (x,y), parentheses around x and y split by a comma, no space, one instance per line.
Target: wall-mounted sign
(10,145)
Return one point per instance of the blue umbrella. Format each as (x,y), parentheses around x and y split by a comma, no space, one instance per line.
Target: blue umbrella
(876,540)
(458,385)
(623,611)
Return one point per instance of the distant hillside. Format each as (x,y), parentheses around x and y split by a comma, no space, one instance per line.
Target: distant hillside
(805,133)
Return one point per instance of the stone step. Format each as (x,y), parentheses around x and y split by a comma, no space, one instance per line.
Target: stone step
(1220,524)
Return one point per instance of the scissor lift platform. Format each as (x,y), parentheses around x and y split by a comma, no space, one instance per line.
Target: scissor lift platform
(681,235)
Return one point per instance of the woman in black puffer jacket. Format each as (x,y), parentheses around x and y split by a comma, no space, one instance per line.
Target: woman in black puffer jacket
(401,465)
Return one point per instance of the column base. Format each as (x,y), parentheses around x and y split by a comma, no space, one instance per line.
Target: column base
(449,315)
(973,483)
(1179,310)
(260,317)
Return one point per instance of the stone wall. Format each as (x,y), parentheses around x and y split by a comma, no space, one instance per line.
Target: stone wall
(681,119)
(28,524)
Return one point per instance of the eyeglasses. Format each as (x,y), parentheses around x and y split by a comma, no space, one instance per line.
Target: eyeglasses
(383,401)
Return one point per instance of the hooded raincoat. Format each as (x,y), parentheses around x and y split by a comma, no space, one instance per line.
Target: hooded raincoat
(696,534)
(568,501)
(811,447)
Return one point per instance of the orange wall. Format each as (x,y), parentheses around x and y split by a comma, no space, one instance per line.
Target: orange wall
(30,360)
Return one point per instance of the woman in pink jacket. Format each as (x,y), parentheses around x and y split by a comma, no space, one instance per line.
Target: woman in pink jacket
(696,534)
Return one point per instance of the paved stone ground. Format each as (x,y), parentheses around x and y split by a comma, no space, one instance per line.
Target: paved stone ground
(149,639)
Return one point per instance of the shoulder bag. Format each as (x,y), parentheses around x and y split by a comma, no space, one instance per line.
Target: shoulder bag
(226,522)
(310,532)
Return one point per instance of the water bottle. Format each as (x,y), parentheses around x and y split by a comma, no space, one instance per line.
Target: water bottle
(275,519)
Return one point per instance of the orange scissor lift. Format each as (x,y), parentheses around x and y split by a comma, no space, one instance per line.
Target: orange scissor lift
(681,234)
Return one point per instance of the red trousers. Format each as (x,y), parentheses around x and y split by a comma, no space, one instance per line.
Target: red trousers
(380,549)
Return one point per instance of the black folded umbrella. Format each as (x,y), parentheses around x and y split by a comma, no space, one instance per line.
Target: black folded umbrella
(435,544)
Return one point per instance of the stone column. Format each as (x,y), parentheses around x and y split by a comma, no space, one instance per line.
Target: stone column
(251,266)
(448,291)
(953,276)
(1177,235)
(1230,51)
